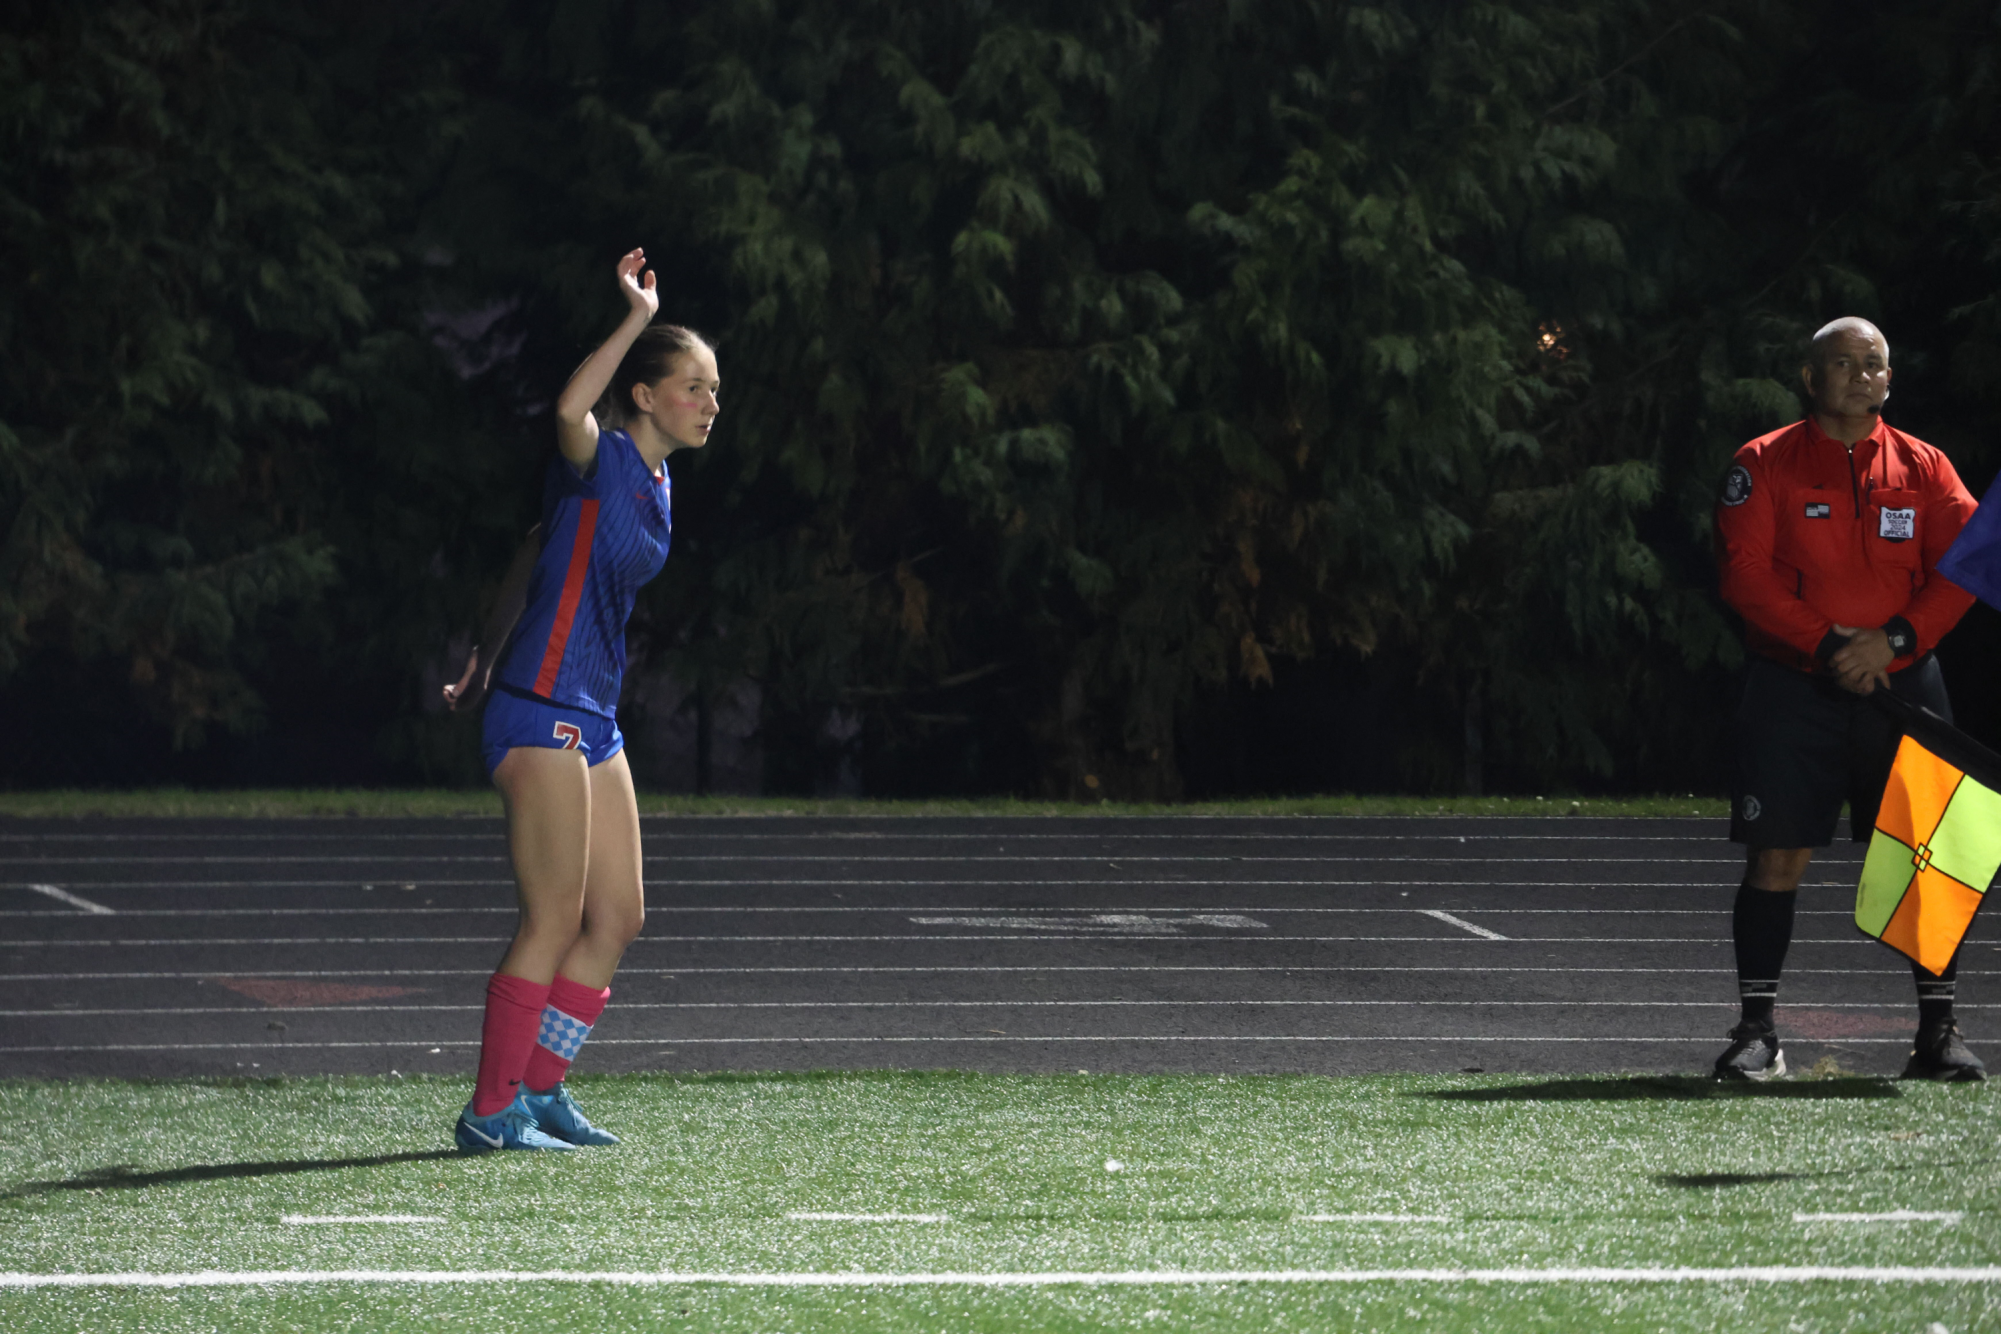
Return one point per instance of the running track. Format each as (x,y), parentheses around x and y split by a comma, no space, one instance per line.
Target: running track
(171,948)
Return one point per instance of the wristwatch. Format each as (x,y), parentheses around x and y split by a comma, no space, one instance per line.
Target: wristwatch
(1903,639)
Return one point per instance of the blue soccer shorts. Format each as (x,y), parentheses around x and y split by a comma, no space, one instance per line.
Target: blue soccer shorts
(516,719)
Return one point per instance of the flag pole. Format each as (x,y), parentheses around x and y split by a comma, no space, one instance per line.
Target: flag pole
(1938,734)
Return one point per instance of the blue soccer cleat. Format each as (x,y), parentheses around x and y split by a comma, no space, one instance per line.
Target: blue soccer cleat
(556,1113)
(512,1127)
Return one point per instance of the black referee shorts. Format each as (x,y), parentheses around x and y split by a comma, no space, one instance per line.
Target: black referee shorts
(1803,745)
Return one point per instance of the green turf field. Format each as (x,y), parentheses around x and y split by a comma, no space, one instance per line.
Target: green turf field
(378,803)
(1006,1176)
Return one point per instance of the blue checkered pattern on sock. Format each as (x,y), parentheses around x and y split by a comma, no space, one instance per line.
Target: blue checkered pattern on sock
(561,1033)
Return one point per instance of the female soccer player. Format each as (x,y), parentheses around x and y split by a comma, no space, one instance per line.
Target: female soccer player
(550,735)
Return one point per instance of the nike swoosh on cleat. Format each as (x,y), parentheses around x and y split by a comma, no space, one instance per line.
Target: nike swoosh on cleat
(491,1141)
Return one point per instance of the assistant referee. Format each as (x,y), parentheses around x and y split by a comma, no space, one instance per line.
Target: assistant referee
(1828,532)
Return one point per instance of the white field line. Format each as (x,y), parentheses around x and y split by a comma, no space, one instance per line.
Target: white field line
(1772,1274)
(868,1041)
(1462,924)
(1374,1218)
(300,1220)
(61,895)
(809,1216)
(1894,1216)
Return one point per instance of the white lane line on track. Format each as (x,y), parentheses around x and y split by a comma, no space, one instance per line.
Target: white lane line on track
(872,1041)
(302,1220)
(670,836)
(1184,913)
(865,969)
(1770,1274)
(1100,883)
(810,1216)
(500,859)
(61,895)
(339,1008)
(1949,1218)
(915,939)
(895,969)
(1462,924)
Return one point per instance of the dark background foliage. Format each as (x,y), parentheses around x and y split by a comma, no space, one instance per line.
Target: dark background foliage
(1122,399)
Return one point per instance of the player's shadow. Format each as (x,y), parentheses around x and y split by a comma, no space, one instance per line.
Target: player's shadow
(1720,1180)
(1668,1088)
(123,1177)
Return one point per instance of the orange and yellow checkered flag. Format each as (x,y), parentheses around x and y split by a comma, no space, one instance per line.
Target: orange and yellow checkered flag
(1937,844)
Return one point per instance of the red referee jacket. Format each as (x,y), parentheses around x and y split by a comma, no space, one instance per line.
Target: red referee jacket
(1810,536)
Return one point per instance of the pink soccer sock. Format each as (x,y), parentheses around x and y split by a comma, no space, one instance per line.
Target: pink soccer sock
(506,1039)
(566,1022)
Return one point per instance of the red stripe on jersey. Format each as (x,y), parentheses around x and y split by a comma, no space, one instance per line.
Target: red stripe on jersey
(566,607)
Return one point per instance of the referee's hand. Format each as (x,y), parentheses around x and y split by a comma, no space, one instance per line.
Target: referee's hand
(1862,664)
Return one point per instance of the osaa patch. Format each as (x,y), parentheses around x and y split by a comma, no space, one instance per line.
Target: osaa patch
(1737,486)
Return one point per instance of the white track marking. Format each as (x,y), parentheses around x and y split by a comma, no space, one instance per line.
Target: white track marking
(497,832)
(461,911)
(337,1007)
(1462,924)
(808,1216)
(656,910)
(683,858)
(668,909)
(868,1041)
(843,969)
(1117,923)
(299,1220)
(212,1278)
(1375,1218)
(198,942)
(61,895)
(766,882)
(1894,1216)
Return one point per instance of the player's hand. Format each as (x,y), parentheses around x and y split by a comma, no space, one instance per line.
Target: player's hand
(639,292)
(455,692)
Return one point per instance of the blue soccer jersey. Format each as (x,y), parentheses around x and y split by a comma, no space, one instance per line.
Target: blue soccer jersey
(605,536)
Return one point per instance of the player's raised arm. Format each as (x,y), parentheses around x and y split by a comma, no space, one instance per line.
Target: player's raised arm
(576,427)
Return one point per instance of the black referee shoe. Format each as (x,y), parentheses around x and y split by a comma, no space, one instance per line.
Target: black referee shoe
(1937,1053)
(1753,1053)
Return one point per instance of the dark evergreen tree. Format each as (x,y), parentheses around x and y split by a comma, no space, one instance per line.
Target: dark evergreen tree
(1098,378)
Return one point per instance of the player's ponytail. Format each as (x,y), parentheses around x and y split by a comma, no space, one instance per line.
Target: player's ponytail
(650,359)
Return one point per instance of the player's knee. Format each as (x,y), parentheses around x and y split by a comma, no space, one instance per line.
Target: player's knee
(618,926)
(551,925)
(1777,869)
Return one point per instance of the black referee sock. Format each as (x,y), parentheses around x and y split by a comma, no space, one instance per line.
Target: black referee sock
(1935,992)
(1761,926)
